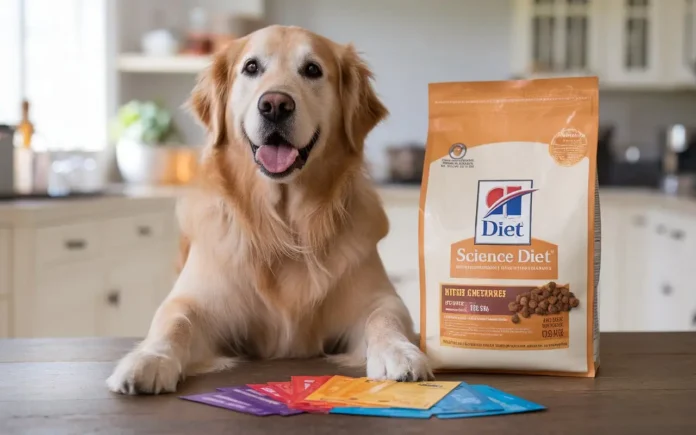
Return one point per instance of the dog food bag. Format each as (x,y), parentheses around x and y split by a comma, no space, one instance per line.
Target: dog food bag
(509,227)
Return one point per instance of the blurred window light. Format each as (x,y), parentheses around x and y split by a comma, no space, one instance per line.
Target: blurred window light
(60,65)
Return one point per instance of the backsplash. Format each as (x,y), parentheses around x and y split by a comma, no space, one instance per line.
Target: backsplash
(639,116)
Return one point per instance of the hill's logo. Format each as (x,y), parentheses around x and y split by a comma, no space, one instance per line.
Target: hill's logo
(504,212)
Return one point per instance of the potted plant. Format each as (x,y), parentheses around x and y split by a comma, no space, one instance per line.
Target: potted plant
(149,149)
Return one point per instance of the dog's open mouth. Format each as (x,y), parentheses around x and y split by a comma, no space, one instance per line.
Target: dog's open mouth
(277,157)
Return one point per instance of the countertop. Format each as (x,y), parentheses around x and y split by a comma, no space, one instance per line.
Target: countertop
(122,198)
(646,385)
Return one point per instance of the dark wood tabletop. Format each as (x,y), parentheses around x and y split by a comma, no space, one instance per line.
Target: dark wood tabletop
(646,385)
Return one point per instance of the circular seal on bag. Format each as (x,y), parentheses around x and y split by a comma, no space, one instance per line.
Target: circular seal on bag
(568,147)
(457,151)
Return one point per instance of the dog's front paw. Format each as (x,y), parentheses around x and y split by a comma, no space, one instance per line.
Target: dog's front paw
(398,360)
(144,372)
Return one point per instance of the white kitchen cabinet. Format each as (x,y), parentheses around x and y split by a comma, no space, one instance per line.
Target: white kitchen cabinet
(680,41)
(96,267)
(635,35)
(633,254)
(65,301)
(399,249)
(610,276)
(127,302)
(557,37)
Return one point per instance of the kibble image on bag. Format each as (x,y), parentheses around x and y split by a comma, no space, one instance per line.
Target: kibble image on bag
(509,228)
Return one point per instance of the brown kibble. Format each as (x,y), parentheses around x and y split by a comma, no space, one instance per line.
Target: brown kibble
(565,299)
(552,300)
(525,312)
(574,302)
(539,311)
(515,318)
(518,297)
(571,294)
(526,295)
(565,291)
(556,292)
(544,305)
(553,309)
(565,307)
(533,304)
(524,300)
(513,306)
(552,285)
(545,294)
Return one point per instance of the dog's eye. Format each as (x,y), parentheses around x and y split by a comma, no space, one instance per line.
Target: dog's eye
(251,68)
(311,70)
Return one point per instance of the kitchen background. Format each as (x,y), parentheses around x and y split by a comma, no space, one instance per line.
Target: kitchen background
(96,146)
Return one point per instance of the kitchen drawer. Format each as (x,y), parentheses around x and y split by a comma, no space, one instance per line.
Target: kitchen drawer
(134,230)
(67,243)
(4,262)
(4,318)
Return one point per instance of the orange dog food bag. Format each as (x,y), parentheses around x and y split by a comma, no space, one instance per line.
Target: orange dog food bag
(509,227)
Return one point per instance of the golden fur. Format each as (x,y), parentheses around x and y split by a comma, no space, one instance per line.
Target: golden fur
(279,269)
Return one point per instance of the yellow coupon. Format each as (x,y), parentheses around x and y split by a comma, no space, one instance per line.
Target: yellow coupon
(416,395)
(350,392)
(327,392)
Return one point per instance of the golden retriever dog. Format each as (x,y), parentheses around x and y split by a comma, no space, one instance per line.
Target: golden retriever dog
(280,256)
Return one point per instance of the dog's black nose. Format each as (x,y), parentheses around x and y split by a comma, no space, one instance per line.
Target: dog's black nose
(276,106)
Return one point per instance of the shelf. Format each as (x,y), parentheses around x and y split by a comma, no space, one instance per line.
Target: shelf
(138,63)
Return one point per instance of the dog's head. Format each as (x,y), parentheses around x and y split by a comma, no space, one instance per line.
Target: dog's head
(287,100)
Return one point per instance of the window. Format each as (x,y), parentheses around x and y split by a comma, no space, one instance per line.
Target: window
(58,55)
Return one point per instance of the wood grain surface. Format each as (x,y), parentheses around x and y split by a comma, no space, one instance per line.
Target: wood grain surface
(646,385)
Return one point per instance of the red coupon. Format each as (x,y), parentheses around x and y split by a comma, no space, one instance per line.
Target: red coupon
(284,389)
(303,386)
(268,391)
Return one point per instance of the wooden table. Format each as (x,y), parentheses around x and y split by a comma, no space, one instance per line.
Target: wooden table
(646,385)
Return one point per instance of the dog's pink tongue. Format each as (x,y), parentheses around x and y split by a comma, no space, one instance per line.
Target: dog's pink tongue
(276,158)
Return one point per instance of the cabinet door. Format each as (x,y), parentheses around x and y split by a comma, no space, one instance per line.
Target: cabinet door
(680,43)
(663,309)
(635,32)
(635,251)
(682,237)
(610,284)
(557,37)
(135,285)
(64,305)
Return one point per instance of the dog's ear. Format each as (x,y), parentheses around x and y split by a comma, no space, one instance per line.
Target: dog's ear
(362,109)
(208,100)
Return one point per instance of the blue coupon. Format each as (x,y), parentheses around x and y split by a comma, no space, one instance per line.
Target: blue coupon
(510,404)
(463,399)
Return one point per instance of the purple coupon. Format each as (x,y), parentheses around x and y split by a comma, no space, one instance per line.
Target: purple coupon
(253,397)
(223,400)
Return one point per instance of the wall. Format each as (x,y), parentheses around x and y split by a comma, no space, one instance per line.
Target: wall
(409,43)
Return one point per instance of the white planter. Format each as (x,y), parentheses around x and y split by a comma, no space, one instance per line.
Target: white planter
(148,164)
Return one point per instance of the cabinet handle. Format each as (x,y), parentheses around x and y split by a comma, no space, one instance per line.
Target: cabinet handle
(114,298)
(639,221)
(75,244)
(661,229)
(144,231)
(678,234)
(666,289)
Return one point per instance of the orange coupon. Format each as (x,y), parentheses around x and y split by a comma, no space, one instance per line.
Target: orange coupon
(414,395)
(349,393)
(327,392)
